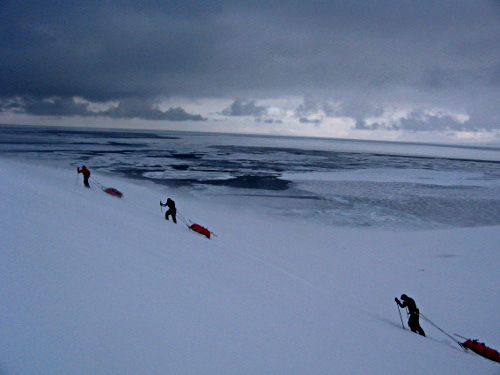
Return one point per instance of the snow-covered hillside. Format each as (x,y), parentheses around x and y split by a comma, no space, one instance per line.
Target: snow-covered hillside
(91,284)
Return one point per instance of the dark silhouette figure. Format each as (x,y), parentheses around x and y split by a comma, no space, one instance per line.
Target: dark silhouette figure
(413,312)
(86,175)
(172,211)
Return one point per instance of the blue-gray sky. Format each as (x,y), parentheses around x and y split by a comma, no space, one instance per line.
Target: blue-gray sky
(363,69)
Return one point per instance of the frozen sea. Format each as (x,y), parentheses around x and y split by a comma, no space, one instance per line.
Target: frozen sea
(341,182)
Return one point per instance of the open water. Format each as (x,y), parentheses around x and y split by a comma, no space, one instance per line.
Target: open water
(342,182)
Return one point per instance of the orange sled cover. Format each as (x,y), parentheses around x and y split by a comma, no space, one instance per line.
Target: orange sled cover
(113,192)
(201,230)
(482,350)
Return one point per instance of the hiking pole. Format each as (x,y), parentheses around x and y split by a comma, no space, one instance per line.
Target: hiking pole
(400,316)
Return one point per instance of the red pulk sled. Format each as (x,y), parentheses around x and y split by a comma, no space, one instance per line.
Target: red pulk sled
(196,227)
(481,349)
(201,230)
(113,192)
(109,190)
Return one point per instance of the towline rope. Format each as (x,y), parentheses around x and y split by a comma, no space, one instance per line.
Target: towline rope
(189,223)
(182,218)
(447,334)
(93,181)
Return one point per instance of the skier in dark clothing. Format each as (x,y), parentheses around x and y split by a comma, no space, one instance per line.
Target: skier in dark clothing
(172,211)
(86,175)
(413,312)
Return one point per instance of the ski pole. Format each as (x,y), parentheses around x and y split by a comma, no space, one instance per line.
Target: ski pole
(161,207)
(400,316)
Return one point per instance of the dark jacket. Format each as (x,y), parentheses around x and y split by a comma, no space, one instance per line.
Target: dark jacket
(409,303)
(171,205)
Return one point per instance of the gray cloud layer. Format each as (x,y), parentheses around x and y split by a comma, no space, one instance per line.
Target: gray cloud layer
(366,55)
(243,108)
(127,108)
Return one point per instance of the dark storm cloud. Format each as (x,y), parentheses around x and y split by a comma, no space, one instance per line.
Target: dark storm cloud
(126,109)
(244,108)
(45,107)
(139,109)
(442,51)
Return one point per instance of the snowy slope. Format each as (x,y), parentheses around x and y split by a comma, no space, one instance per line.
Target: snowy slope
(92,284)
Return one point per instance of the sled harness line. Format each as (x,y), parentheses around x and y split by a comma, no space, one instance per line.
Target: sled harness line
(435,326)
(111,191)
(93,181)
(196,227)
(478,348)
(182,218)
(192,226)
(177,213)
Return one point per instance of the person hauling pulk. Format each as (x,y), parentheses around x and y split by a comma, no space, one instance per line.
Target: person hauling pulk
(86,175)
(413,312)
(172,211)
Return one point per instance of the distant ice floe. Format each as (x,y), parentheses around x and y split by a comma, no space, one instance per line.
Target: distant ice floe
(341,182)
(188,175)
(445,178)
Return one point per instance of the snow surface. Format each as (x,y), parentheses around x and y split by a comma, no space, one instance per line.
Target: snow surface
(92,284)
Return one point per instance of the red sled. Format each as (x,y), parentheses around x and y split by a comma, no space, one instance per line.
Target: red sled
(113,192)
(201,230)
(482,350)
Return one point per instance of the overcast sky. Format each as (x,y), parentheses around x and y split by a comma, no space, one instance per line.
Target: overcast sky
(411,70)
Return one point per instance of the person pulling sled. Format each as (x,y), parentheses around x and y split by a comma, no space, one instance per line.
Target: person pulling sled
(172,211)
(86,175)
(413,312)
